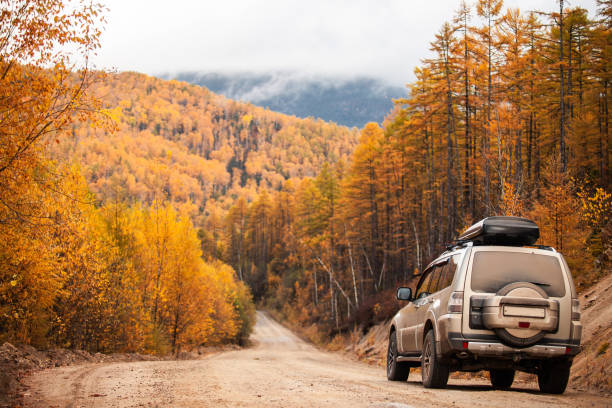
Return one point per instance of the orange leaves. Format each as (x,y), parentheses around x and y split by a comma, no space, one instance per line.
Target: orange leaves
(35,31)
(148,287)
(189,302)
(596,208)
(512,203)
(220,149)
(102,279)
(114,278)
(39,98)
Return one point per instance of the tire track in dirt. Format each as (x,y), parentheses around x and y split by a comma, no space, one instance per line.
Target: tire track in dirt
(281,370)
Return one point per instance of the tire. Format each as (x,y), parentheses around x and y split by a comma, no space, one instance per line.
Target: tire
(553,377)
(504,334)
(501,379)
(433,372)
(395,371)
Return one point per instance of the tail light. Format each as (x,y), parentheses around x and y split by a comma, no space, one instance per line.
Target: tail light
(575,310)
(455,302)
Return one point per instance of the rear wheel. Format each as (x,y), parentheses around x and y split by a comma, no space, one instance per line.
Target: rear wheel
(501,379)
(433,372)
(553,377)
(396,371)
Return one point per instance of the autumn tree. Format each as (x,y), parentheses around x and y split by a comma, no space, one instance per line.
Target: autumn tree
(41,93)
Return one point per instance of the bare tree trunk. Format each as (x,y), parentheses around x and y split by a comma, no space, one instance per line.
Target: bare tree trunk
(468,187)
(373,217)
(562,94)
(487,185)
(606,137)
(316,287)
(365,255)
(352,263)
(332,280)
(336,310)
(451,134)
(332,296)
(418,246)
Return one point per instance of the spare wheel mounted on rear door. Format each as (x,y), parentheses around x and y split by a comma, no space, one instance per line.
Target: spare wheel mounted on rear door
(515,288)
(521,314)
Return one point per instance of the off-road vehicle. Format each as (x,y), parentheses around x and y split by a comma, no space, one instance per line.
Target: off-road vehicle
(493,301)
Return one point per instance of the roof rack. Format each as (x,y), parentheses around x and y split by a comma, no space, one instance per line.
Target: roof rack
(458,244)
(510,231)
(544,247)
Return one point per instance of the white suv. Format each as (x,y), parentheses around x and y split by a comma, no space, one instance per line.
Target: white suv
(493,301)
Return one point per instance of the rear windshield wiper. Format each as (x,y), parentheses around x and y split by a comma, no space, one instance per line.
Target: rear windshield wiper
(540,283)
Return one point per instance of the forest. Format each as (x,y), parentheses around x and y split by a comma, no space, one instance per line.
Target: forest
(183,143)
(80,269)
(509,116)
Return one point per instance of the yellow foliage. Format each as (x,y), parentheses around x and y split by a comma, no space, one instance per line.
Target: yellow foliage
(596,209)
(220,149)
(512,204)
(246,119)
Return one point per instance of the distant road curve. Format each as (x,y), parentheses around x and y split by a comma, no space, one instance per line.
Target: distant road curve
(280,371)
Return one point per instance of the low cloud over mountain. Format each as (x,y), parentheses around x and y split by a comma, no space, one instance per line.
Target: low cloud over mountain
(349,102)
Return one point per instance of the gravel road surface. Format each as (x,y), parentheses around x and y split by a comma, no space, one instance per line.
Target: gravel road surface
(279,371)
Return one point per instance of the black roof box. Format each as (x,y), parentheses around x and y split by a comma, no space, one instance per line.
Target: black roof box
(514,231)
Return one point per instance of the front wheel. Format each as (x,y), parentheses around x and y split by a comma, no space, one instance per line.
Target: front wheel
(501,379)
(433,372)
(396,371)
(553,377)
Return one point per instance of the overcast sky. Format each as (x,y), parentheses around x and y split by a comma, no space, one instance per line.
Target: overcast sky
(384,38)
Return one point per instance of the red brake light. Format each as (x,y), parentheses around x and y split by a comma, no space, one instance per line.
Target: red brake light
(465,344)
(524,325)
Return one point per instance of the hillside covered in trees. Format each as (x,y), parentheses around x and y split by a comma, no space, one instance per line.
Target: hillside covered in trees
(185,144)
(80,270)
(509,116)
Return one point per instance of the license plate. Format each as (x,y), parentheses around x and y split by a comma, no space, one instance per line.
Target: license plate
(524,311)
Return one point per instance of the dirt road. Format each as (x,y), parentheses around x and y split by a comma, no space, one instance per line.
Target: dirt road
(280,371)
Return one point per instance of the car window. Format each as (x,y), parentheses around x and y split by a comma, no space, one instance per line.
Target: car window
(437,273)
(449,271)
(493,270)
(422,290)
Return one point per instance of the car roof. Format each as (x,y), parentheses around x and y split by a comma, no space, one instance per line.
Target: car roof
(538,249)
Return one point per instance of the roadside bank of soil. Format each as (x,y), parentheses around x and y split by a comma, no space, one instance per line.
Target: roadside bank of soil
(17,361)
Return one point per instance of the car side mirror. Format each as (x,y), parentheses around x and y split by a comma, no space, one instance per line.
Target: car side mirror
(404,293)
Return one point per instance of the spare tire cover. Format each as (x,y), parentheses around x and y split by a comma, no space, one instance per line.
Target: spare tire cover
(516,337)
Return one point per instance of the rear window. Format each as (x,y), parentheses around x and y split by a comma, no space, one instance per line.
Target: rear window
(492,270)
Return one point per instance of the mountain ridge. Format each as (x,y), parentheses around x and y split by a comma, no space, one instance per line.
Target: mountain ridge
(350,102)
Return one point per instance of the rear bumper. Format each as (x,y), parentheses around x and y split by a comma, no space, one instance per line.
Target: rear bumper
(451,341)
(490,346)
(498,349)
